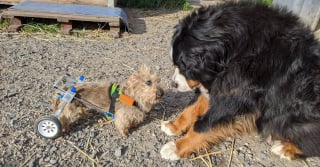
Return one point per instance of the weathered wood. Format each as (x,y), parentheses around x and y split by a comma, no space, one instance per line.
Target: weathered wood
(109,3)
(59,16)
(11,1)
(114,29)
(6,2)
(66,27)
(66,13)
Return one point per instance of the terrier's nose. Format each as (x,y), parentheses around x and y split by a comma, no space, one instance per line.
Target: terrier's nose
(174,84)
(160,93)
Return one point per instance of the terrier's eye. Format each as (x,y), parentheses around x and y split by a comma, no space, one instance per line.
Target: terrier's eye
(148,83)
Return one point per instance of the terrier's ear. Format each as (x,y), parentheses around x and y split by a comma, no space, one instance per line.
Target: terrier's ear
(135,75)
(144,68)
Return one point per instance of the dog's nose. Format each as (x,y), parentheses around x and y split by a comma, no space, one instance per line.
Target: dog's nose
(160,93)
(174,84)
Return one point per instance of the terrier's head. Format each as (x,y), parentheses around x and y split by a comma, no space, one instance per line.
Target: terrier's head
(144,87)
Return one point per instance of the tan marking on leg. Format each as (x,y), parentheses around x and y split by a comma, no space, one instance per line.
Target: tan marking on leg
(187,117)
(285,149)
(194,141)
(290,150)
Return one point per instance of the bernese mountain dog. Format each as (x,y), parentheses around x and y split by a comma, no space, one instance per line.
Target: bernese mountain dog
(258,70)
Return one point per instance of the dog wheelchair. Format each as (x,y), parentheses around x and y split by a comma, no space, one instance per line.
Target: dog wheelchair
(49,126)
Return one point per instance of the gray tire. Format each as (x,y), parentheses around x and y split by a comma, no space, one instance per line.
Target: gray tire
(48,127)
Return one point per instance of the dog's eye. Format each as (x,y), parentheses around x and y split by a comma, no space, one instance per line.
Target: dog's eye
(148,82)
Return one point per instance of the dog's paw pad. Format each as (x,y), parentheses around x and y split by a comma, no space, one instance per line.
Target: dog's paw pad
(278,149)
(166,129)
(169,151)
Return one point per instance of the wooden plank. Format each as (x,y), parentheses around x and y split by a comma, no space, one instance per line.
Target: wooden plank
(108,3)
(114,29)
(66,27)
(6,3)
(66,13)
(82,2)
(59,16)
(74,11)
(9,2)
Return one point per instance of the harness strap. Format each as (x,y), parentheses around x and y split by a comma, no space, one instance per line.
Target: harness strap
(117,95)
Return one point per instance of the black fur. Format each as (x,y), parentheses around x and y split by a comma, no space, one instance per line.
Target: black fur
(266,55)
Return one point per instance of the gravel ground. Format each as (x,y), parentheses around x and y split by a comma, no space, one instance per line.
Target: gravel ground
(31,63)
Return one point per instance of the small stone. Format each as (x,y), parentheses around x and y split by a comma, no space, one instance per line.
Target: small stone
(12,94)
(157,68)
(92,134)
(146,154)
(53,161)
(47,159)
(262,155)
(118,152)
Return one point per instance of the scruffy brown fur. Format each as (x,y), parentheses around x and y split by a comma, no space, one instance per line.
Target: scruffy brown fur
(97,93)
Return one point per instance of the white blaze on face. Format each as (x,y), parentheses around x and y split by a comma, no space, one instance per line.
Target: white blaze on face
(181,81)
(178,78)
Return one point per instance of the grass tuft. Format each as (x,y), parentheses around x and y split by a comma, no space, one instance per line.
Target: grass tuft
(4,24)
(41,27)
(168,4)
(266,2)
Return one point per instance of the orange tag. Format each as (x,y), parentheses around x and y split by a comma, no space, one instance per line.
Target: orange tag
(126,100)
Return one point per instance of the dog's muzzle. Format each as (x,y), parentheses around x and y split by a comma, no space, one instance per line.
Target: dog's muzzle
(174,84)
(159,93)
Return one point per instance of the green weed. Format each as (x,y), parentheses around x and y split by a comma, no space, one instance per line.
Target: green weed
(169,4)
(4,24)
(41,27)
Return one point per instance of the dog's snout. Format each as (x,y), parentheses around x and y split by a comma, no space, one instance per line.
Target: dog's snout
(160,93)
(174,84)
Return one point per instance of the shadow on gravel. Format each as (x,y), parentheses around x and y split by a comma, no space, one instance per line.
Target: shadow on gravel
(168,108)
(136,18)
(84,122)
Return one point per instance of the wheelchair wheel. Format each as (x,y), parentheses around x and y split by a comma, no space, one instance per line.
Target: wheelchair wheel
(48,127)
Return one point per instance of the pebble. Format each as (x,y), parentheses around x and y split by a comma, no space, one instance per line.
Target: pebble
(53,161)
(92,134)
(118,152)
(262,155)
(12,94)
(146,154)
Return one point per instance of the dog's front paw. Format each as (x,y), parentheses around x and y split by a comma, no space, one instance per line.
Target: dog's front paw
(166,128)
(279,149)
(169,151)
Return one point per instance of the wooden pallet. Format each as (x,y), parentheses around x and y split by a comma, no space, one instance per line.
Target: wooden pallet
(107,3)
(65,13)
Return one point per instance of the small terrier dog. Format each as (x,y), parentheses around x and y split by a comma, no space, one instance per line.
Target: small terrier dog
(142,87)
